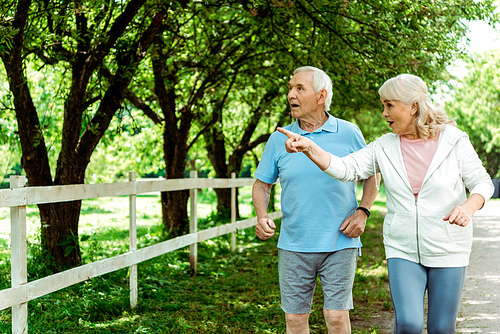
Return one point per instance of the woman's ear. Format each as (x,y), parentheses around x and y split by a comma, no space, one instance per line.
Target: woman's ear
(414,108)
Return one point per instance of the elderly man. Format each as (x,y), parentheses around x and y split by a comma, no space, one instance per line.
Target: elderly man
(321,221)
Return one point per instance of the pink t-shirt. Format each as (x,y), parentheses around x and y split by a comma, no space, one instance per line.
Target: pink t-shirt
(417,156)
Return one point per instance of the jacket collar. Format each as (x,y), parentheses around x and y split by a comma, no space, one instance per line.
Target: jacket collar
(448,138)
(391,146)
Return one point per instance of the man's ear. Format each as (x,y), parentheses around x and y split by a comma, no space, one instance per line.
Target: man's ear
(414,108)
(322,96)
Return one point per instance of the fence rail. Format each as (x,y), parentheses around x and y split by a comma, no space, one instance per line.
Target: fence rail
(19,196)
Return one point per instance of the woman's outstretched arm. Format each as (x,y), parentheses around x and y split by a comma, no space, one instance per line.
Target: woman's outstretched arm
(297,143)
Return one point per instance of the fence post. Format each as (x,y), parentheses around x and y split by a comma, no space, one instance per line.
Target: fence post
(233,212)
(132,232)
(193,224)
(19,271)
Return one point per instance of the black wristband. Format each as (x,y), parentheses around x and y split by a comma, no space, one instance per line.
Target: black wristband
(365,210)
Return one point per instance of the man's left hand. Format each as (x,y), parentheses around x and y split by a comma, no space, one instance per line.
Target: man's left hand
(354,225)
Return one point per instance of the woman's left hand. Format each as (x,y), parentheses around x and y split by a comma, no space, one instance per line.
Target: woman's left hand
(462,214)
(458,216)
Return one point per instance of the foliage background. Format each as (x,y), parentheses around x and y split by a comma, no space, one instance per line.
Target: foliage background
(359,44)
(99,88)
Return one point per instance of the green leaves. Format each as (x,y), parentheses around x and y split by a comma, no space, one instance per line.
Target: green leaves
(476,106)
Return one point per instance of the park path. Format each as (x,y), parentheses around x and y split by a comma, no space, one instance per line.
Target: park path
(480,308)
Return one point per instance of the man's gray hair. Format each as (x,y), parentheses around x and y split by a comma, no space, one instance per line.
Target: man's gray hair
(321,80)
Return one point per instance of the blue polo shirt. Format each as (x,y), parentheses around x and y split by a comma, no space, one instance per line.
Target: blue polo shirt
(314,205)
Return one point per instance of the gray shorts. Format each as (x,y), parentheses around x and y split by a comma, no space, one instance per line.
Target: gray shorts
(298,273)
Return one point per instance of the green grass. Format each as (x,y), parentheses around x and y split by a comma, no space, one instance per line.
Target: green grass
(233,292)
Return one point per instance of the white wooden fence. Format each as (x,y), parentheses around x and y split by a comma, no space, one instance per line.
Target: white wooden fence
(19,196)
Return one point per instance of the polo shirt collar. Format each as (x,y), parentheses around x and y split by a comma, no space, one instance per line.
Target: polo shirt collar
(331,125)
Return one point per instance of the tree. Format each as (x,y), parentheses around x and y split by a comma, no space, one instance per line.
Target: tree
(253,98)
(202,52)
(202,55)
(217,44)
(363,43)
(86,39)
(359,44)
(475,103)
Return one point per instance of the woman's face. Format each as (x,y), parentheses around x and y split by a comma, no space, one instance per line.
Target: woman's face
(401,117)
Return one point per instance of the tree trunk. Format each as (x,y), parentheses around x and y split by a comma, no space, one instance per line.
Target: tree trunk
(174,210)
(216,151)
(174,203)
(60,233)
(175,147)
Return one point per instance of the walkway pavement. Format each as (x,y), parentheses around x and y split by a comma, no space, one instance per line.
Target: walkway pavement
(480,308)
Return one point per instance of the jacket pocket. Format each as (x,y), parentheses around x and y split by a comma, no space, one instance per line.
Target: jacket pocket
(400,232)
(438,237)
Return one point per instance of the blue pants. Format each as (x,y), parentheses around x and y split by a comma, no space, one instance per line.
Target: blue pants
(409,281)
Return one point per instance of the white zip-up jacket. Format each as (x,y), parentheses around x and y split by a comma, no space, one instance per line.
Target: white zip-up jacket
(413,228)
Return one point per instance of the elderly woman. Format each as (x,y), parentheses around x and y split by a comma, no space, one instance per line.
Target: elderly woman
(427,164)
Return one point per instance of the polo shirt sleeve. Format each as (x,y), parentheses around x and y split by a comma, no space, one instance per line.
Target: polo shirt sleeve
(358,139)
(267,170)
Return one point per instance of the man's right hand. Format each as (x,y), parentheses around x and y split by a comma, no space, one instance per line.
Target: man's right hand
(265,228)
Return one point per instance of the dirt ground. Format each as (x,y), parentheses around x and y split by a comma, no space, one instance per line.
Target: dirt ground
(480,308)
(383,321)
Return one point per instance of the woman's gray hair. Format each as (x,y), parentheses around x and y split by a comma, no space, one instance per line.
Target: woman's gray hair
(321,80)
(409,89)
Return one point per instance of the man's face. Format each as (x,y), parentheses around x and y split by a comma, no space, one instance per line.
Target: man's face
(301,96)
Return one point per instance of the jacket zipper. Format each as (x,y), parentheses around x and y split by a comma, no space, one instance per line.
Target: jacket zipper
(416,229)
